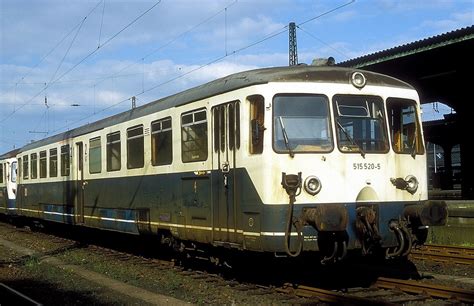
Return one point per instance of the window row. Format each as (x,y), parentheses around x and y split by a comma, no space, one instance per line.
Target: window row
(194,144)
(193,137)
(29,163)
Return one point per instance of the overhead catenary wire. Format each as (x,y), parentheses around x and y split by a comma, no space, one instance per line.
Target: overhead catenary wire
(54,48)
(142,59)
(68,49)
(101,23)
(323,42)
(220,58)
(182,34)
(81,61)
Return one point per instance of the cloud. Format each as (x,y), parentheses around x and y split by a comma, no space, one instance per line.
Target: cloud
(455,21)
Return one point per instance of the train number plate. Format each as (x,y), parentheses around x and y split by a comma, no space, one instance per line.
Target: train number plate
(366,166)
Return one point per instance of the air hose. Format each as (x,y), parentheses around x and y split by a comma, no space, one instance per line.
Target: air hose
(292,185)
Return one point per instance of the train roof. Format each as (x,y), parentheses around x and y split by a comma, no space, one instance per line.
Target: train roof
(10,154)
(300,73)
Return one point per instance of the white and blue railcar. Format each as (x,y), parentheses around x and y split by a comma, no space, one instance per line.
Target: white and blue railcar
(281,160)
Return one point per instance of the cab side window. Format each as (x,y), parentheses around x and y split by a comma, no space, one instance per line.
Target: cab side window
(257,121)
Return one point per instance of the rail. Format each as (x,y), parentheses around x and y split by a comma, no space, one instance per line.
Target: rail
(415,290)
(432,290)
(445,253)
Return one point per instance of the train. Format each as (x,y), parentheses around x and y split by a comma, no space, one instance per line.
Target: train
(317,160)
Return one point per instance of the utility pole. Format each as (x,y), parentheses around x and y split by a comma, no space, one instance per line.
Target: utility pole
(293,52)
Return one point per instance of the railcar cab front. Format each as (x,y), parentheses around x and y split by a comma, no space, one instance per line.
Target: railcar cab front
(359,154)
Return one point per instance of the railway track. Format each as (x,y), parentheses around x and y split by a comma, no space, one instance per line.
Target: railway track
(385,291)
(445,253)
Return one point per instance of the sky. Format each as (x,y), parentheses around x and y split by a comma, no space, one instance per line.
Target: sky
(66,63)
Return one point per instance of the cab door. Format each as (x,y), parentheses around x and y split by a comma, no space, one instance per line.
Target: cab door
(226,143)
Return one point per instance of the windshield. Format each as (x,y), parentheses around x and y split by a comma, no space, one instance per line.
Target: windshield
(301,124)
(404,126)
(360,124)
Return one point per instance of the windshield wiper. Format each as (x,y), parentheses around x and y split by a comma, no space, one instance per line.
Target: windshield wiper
(351,140)
(285,137)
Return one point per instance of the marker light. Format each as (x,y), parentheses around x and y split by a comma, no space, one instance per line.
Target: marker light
(358,79)
(312,185)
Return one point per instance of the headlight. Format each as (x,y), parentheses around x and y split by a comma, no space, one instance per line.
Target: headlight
(312,185)
(358,79)
(412,184)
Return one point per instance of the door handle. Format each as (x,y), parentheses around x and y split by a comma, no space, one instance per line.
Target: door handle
(84,184)
(225,167)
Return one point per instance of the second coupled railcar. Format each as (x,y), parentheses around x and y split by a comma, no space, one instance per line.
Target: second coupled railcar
(8,174)
(283,160)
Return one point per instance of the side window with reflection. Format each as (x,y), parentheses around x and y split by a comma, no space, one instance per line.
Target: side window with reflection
(53,162)
(43,163)
(135,147)
(95,155)
(25,167)
(34,165)
(65,161)
(161,142)
(194,136)
(257,121)
(113,152)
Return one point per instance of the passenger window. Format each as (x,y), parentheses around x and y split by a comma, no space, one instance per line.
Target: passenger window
(53,162)
(95,156)
(161,142)
(1,173)
(113,152)
(42,164)
(135,150)
(257,121)
(34,165)
(194,136)
(65,161)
